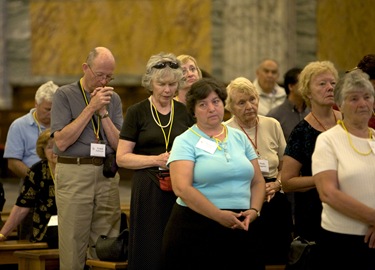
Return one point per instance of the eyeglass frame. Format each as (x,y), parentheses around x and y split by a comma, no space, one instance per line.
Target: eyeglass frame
(107,78)
(164,64)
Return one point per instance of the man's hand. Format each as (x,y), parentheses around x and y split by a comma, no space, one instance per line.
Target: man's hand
(100,98)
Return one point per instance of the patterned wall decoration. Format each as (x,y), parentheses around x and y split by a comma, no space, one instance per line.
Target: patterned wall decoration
(63,32)
(345,31)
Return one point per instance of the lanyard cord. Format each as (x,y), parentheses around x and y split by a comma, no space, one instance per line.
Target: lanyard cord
(320,122)
(50,171)
(37,122)
(216,139)
(96,131)
(166,140)
(350,139)
(256,136)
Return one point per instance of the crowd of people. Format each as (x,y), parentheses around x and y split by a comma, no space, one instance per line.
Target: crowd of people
(291,161)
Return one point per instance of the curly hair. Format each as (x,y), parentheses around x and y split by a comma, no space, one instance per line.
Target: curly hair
(42,142)
(311,70)
(367,64)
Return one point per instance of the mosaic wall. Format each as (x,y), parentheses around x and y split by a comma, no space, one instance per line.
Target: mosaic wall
(63,32)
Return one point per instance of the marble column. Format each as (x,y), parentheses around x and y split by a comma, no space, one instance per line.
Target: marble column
(5,91)
(252,30)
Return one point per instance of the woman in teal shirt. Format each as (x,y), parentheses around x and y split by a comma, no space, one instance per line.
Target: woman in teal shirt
(220,189)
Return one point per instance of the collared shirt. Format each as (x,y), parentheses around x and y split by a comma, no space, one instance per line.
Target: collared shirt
(21,139)
(288,116)
(269,101)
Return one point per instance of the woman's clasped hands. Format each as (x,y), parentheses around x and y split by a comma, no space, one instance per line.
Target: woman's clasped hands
(234,220)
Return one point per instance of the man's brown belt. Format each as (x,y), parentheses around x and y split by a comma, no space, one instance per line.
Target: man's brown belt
(97,161)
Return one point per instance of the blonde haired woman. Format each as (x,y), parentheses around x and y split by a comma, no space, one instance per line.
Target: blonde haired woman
(191,72)
(317,82)
(37,194)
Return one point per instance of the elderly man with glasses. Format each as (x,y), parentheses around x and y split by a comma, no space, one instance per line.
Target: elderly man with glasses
(86,121)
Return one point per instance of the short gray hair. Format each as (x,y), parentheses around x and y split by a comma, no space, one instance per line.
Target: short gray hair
(355,80)
(45,92)
(155,74)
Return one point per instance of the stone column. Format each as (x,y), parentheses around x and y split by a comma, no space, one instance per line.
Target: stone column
(252,30)
(5,90)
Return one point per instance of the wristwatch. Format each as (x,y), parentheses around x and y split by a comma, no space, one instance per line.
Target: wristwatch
(105,115)
(256,210)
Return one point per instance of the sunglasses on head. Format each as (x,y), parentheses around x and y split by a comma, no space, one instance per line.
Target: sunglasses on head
(162,65)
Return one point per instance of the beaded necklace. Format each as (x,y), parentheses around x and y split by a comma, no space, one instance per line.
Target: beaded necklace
(350,139)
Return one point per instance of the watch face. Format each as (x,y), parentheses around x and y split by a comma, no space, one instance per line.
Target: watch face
(256,211)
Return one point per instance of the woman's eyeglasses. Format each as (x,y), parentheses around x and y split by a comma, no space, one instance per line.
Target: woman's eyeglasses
(162,65)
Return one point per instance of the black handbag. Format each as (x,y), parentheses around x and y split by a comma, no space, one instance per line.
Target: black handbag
(110,166)
(301,254)
(52,237)
(114,248)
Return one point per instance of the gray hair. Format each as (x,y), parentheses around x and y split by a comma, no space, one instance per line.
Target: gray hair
(240,85)
(156,74)
(45,92)
(355,80)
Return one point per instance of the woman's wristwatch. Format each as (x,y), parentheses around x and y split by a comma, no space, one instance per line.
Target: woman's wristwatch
(256,211)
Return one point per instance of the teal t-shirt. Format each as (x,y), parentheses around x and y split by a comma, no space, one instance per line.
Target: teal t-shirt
(224,177)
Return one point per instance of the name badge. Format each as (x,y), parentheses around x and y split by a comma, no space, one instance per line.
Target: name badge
(206,145)
(263,164)
(97,150)
(53,221)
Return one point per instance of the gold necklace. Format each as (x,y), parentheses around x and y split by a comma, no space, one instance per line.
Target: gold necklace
(350,139)
(212,137)
(217,135)
(321,123)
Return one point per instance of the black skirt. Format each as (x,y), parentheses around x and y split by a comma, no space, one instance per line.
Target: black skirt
(192,241)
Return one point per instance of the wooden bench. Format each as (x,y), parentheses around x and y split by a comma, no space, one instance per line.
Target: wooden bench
(275,267)
(104,265)
(42,259)
(8,247)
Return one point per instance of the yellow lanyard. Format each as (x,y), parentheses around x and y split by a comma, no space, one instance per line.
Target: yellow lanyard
(50,171)
(216,140)
(37,122)
(96,131)
(166,140)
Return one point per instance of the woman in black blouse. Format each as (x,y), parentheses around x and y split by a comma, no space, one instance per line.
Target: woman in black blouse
(146,139)
(316,84)
(37,193)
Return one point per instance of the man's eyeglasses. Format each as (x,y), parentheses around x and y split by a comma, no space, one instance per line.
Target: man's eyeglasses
(162,65)
(101,76)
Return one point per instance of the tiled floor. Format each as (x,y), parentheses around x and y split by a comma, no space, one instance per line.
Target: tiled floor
(12,185)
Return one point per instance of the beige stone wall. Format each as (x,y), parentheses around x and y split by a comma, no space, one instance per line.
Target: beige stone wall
(63,32)
(345,31)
